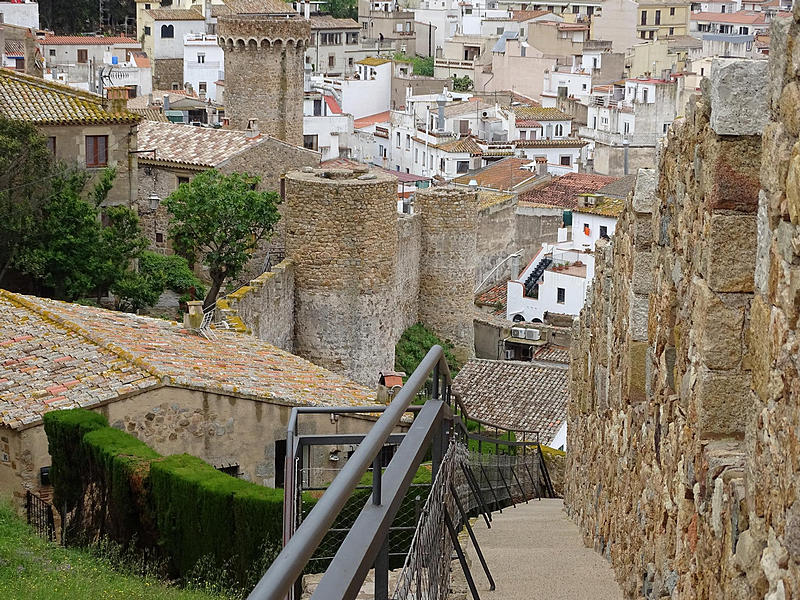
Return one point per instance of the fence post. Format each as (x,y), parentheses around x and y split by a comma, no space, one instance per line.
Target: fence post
(382,560)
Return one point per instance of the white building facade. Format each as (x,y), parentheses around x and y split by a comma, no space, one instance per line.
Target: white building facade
(203,64)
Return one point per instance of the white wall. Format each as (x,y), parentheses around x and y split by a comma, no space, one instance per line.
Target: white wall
(362,98)
(24,15)
(332,132)
(595,222)
(173,47)
(209,71)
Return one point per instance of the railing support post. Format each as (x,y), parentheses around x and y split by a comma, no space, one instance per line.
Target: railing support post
(465,519)
(461,558)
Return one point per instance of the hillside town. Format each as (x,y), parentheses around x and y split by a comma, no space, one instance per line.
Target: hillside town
(297,298)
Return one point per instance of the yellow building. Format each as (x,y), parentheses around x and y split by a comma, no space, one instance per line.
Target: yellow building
(661,18)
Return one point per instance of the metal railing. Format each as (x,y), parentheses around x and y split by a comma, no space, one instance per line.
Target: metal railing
(468,480)
(40,516)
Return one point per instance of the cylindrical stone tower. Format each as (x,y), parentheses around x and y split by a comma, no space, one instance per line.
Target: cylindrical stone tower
(447,271)
(264,43)
(341,233)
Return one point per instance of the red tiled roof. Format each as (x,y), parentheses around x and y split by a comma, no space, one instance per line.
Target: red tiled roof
(333,105)
(563,191)
(528,123)
(69,40)
(552,353)
(504,174)
(495,296)
(743,17)
(382,117)
(524,15)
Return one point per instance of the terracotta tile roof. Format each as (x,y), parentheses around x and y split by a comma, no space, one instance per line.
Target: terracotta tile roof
(524,15)
(564,143)
(517,395)
(551,353)
(329,22)
(58,355)
(373,61)
(150,114)
(604,206)
(175,14)
(742,17)
(48,103)
(474,106)
(528,123)
(14,48)
(85,40)
(505,174)
(465,144)
(539,113)
(220,10)
(196,146)
(382,117)
(495,296)
(260,7)
(563,191)
(487,199)
(619,188)
(141,59)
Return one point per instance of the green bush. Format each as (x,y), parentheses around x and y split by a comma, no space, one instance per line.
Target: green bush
(414,344)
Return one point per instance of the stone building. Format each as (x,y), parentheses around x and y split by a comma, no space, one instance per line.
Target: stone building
(685,368)
(265,42)
(82,129)
(226,400)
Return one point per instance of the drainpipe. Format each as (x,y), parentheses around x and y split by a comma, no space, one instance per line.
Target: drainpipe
(625,144)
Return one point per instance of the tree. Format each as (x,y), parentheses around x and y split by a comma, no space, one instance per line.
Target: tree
(462,84)
(343,9)
(219,219)
(25,166)
(422,65)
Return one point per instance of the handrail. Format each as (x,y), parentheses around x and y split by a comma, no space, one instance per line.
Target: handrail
(289,564)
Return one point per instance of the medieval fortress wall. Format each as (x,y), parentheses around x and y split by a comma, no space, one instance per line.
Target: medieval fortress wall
(685,412)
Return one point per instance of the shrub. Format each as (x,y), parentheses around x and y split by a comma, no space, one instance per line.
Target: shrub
(414,344)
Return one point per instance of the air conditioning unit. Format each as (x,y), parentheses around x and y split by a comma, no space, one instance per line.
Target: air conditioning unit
(518,332)
(532,334)
(509,355)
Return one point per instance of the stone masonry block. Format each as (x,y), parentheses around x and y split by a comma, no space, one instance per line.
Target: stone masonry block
(642,282)
(793,187)
(764,239)
(731,173)
(724,403)
(645,191)
(639,314)
(718,324)
(738,96)
(637,365)
(728,260)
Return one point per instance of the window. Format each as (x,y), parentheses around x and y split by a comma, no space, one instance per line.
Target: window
(644,95)
(408,142)
(159,237)
(52,52)
(201,58)
(559,130)
(310,142)
(167,31)
(672,31)
(441,164)
(416,155)
(566,160)
(147,7)
(51,145)
(672,12)
(499,31)
(587,231)
(350,62)
(523,134)
(561,295)
(644,17)
(626,127)
(603,231)
(176,85)
(317,108)
(331,60)
(583,86)
(743,31)
(147,31)
(83,55)
(280,460)
(651,35)
(352,37)
(397,139)
(96,150)
(666,126)
(658,17)
(182,180)
(202,87)
(462,166)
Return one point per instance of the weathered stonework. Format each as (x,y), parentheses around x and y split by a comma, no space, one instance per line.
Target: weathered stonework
(683,421)
(447,270)
(167,71)
(341,234)
(264,61)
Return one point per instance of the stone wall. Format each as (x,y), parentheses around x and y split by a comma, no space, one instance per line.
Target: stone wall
(495,241)
(264,58)
(342,235)
(685,389)
(409,249)
(265,307)
(447,267)
(167,71)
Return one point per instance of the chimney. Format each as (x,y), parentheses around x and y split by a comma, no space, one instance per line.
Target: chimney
(116,104)
(441,100)
(166,102)
(541,166)
(307,78)
(209,25)
(307,10)
(252,129)
(194,318)
(150,100)
(514,266)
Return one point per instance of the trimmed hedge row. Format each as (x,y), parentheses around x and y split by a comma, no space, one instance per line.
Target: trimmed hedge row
(110,483)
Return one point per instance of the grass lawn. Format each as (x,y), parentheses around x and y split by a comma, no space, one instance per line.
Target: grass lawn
(33,569)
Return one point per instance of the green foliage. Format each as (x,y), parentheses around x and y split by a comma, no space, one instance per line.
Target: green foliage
(220,219)
(82,16)
(342,9)
(422,65)
(34,569)
(414,344)
(462,84)
(25,164)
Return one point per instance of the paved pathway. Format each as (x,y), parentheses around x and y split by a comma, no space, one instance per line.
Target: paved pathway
(535,551)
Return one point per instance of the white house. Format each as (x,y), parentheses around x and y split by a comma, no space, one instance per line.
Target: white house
(325,127)
(203,64)
(23,13)
(558,277)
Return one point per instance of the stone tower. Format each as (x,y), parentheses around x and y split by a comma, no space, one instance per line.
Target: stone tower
(341,233)
(447,268)
(264,43)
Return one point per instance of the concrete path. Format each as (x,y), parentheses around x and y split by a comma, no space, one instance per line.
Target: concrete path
(535,551)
